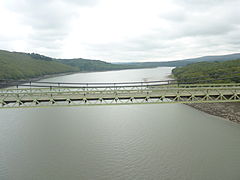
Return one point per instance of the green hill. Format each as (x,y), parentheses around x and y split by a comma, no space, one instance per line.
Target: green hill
(94,65)
(209,72)
(14,65)
(184,62)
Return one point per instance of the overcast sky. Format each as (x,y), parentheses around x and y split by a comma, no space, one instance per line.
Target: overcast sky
(121,30)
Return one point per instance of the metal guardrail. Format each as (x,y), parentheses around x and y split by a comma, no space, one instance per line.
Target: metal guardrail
(192,80)
(112,94)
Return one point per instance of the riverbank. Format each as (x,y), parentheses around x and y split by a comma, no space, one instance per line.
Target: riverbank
(36,79)
(229,111)
(3,85)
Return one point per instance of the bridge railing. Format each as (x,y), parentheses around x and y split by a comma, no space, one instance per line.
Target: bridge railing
(104,86)
(26,84)
(187,82)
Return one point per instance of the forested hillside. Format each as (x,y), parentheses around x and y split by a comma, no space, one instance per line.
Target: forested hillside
(185,62)
(209,72)
(94,65)
(15,65)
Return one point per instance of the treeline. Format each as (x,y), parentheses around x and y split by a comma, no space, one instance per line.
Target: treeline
(94,65)
(15,65)
(209,72)
(40,57)
(184,62)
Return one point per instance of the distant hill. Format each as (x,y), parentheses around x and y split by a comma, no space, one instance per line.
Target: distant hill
(185,62)
(209,72)
(18,65)
(14,65)
(93,65)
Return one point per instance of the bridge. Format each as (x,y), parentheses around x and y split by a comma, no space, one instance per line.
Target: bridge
(23,94)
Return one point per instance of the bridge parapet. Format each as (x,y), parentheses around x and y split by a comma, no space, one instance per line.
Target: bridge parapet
(34,96)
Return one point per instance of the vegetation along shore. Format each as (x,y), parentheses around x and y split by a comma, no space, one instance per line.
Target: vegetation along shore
(214,69)
(18,65)
(213,72)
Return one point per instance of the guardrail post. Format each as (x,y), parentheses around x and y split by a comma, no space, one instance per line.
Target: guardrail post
(115,89)
(59,87)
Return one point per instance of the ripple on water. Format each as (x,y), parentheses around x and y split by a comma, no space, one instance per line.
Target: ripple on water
(117,142)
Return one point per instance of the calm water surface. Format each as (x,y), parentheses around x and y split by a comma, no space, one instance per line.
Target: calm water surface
(167,142)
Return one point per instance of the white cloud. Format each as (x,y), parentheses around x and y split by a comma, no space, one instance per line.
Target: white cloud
(113,30)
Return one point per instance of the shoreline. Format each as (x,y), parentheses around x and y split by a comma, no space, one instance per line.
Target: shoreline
(37,79)
(34,79)
(228,111)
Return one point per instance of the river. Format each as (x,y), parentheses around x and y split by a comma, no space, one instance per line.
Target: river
(157,142)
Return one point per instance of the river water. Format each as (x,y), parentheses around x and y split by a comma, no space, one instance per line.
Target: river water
(164,141)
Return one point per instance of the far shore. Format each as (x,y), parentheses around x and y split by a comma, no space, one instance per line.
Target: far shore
(37,78)
(229,111)
(34,79)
